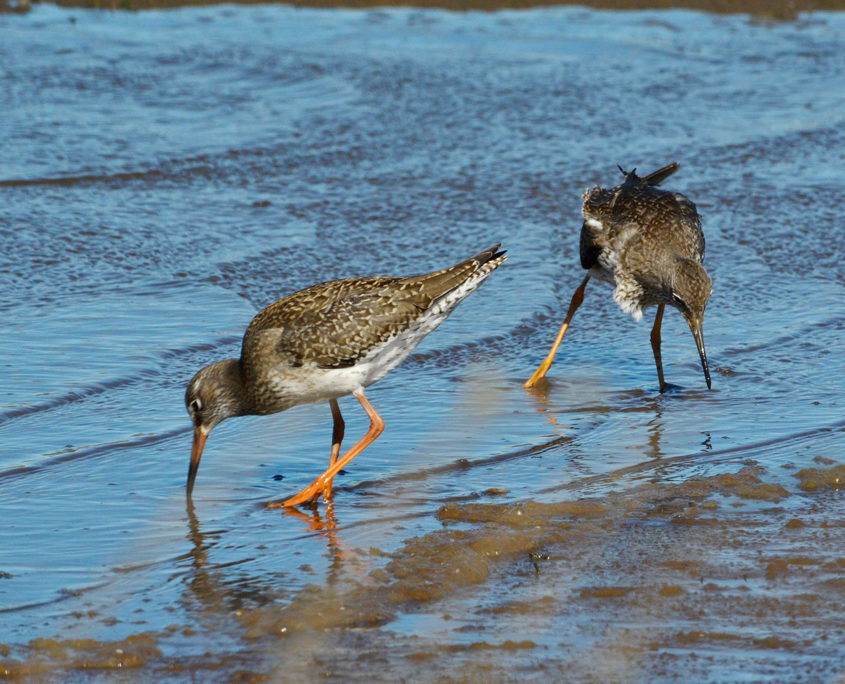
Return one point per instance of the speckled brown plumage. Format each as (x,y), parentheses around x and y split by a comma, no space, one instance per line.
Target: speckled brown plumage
(322,324)
(649,244)
(326,341)
(656,215)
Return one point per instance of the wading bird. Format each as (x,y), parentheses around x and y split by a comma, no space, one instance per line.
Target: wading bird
(648,243)
(324,342)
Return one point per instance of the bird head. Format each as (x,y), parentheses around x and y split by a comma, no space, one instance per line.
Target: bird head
(214,394)
(688,289)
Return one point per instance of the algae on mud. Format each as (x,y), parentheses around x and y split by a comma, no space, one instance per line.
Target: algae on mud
(670,594)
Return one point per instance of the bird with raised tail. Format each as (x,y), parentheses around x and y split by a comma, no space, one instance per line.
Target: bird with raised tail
(648,243)
(325,342)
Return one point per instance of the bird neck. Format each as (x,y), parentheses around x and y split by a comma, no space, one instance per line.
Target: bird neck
(232,390)
(670,269)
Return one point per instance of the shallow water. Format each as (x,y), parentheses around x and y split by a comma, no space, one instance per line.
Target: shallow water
(166,174)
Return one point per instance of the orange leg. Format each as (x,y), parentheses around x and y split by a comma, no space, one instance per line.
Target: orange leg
(655,345)
(325,480)
(577,298)
(337,438)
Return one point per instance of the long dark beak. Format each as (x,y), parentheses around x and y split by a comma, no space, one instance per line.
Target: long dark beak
(696,328)
(196,455)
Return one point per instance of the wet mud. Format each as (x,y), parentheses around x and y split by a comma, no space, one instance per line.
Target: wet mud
(781,10)
(165,175)
(698,576)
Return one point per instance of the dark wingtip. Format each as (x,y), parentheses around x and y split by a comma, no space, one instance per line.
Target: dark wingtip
(490,253)
(657,177)
(654,178)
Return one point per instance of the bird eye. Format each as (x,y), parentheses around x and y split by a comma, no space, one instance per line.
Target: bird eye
(677,300)
(196,406)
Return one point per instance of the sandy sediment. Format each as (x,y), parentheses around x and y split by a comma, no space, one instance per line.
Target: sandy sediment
(774,9)
(658,578)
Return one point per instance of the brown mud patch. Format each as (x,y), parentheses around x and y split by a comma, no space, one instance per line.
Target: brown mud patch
(811,479)
(569,548)
(774,9)
(43,657)
(551,589)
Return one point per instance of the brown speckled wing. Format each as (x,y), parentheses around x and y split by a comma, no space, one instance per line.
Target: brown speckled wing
(336,323)
(670,215)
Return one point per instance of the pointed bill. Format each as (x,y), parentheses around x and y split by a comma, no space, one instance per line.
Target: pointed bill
(696,328)
(200,435)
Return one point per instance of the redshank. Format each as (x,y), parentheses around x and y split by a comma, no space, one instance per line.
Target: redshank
(648,243)
(325,342)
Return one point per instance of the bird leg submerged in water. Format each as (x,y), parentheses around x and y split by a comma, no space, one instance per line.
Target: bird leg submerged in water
(541,371)
(323,484)
(697,333)
(655,346)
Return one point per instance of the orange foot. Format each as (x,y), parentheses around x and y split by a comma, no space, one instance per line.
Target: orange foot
(310,494)
(324,482)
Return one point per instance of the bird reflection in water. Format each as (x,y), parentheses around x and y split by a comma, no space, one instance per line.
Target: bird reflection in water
(543,404)
(326,525)
(210,589)
(562,423)
(204,585)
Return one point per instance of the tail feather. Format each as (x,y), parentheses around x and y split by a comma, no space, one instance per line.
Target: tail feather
(441,282)
(657,177)
(488,254)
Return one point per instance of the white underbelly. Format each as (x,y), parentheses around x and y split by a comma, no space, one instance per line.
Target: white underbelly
(309,383)
(386,356)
